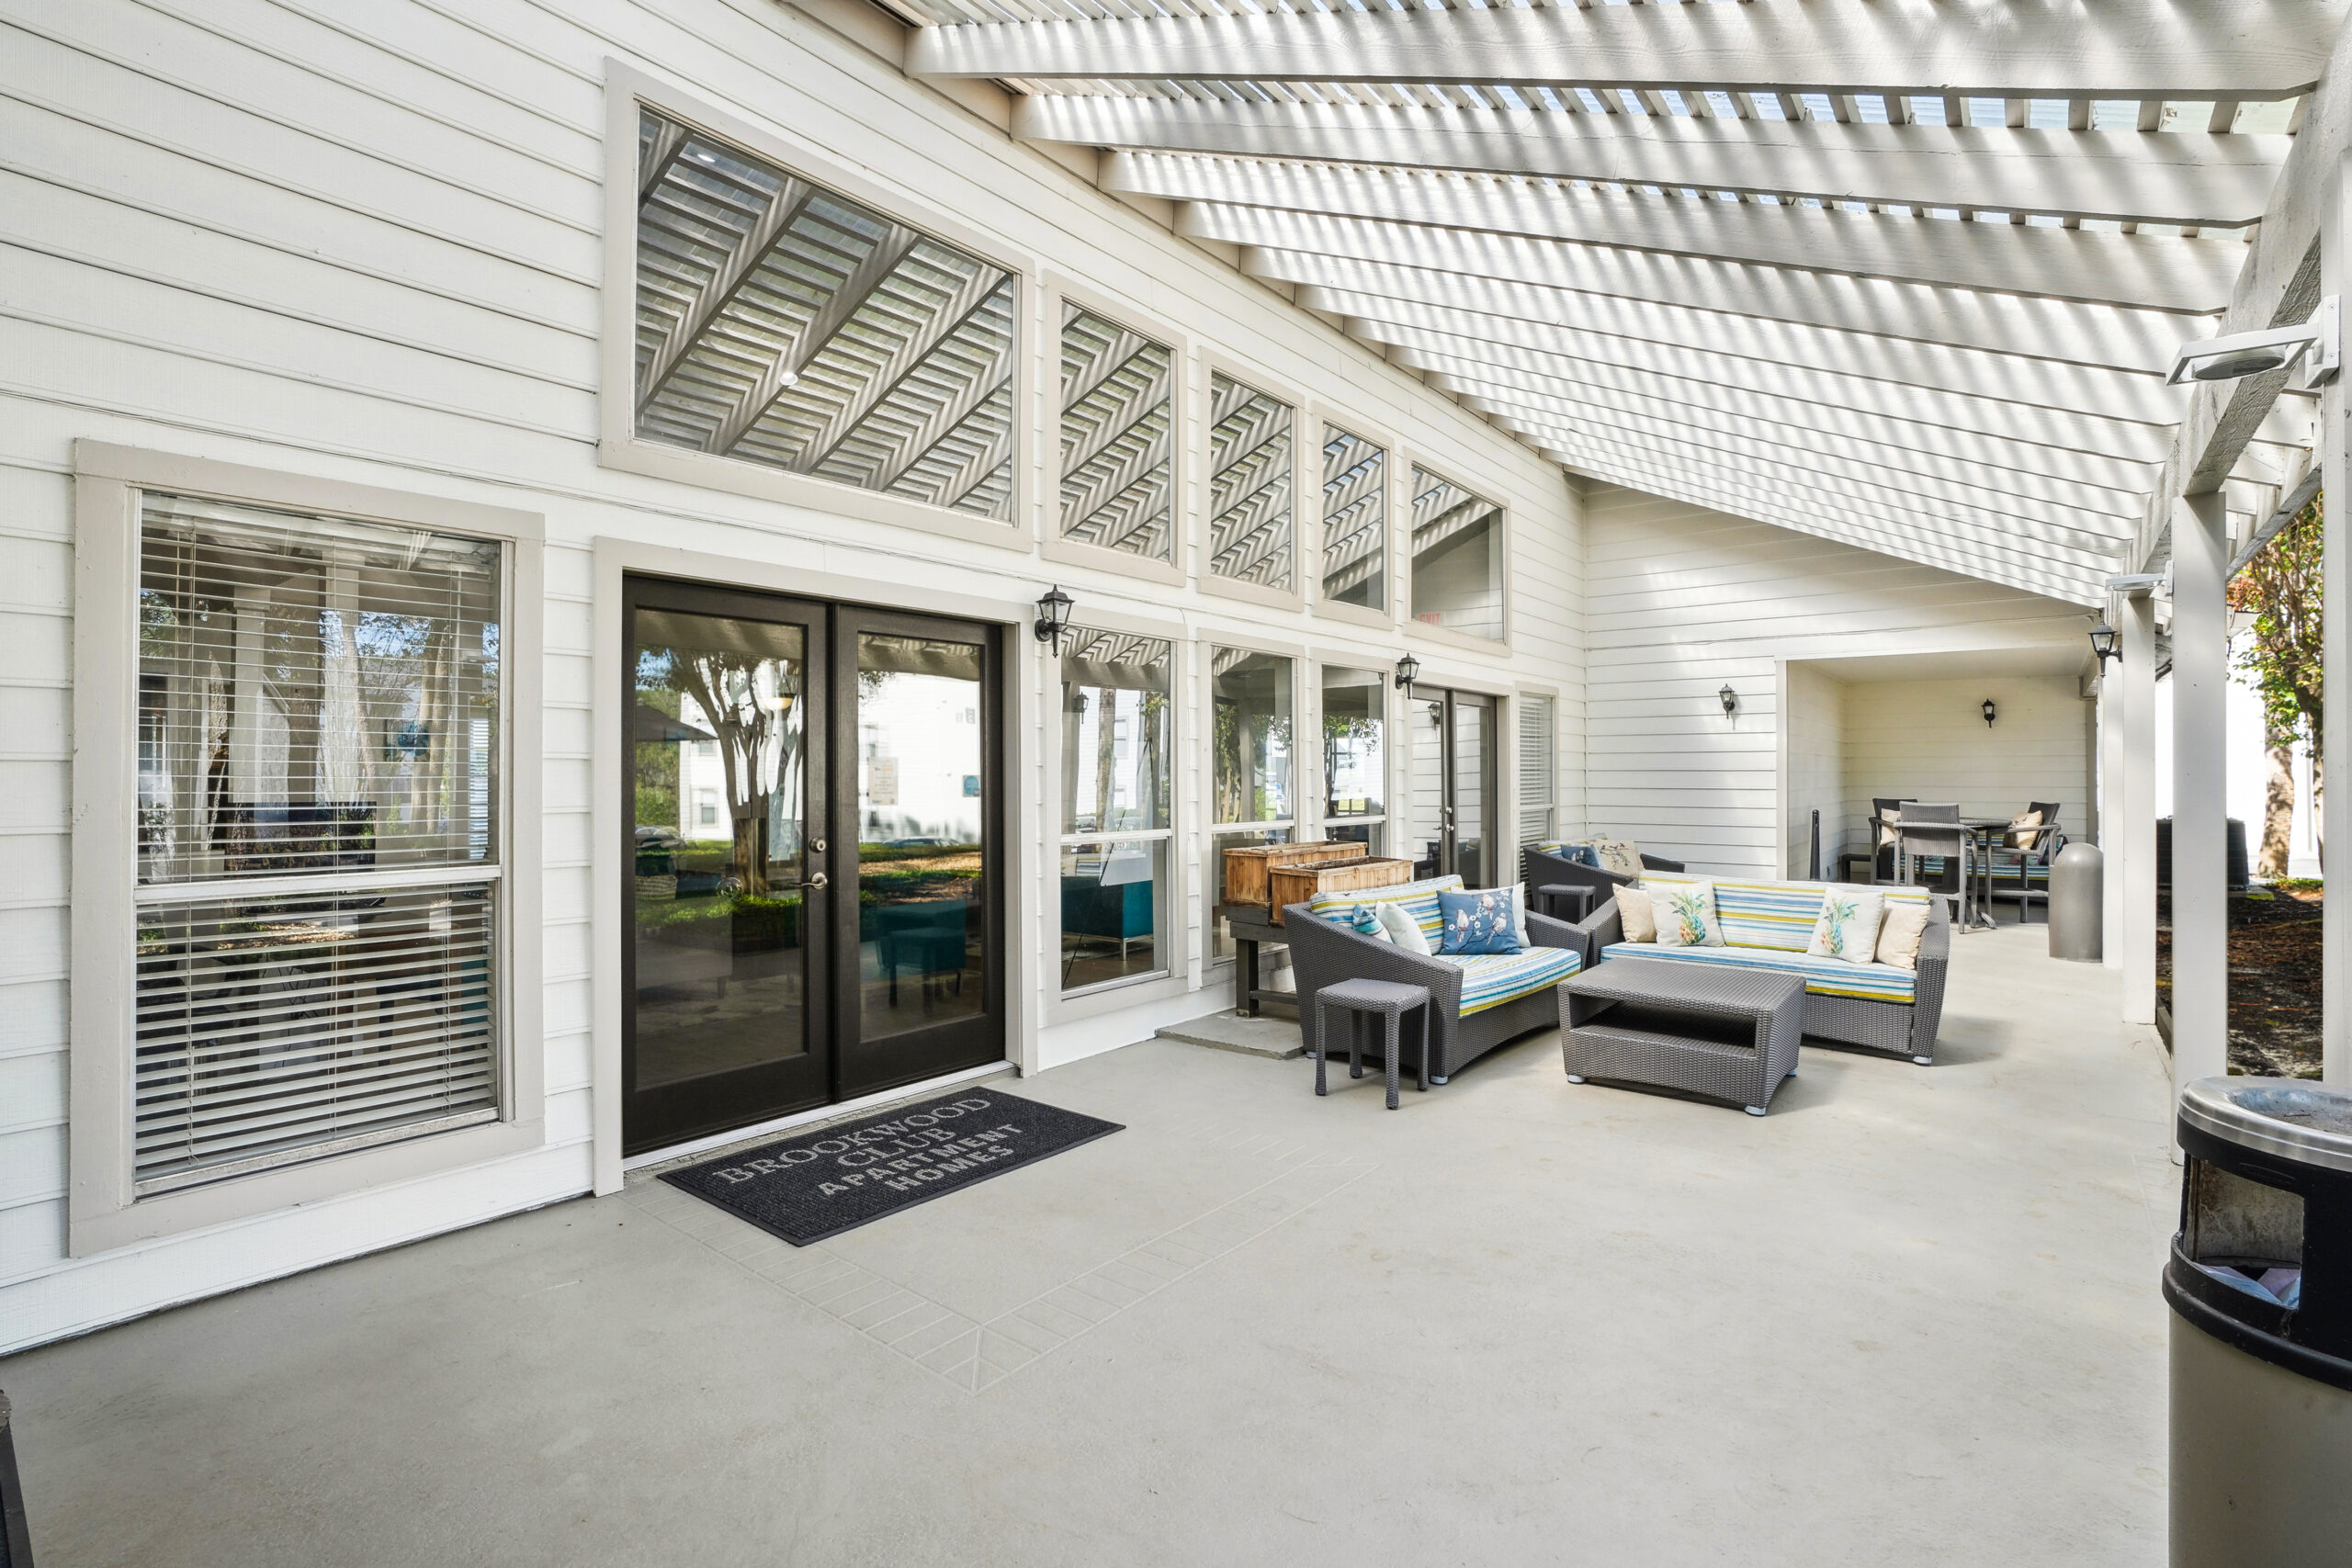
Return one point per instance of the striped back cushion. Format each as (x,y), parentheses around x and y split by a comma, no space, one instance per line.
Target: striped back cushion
(1420,899)
(1776,914)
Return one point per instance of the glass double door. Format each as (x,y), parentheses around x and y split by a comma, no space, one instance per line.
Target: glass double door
(813,912)
(1452,794)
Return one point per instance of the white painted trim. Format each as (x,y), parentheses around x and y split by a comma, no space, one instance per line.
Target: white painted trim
(614,558)
(104,1211)
(817,1113)
(618,446)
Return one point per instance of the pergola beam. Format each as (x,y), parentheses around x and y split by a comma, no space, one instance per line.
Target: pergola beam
(2211,181)
(2168,274)
(2004,49)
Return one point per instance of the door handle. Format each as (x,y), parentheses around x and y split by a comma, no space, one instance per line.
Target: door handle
(820,880)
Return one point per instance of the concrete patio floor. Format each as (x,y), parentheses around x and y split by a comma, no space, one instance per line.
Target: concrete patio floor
(1911,1318)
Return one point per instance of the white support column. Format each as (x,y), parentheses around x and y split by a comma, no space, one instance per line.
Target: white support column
(2136,837)
(2200,905)
(2110,806)
(2336,654)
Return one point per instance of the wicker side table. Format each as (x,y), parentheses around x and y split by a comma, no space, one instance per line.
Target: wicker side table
(1726,1033)
(1364,1000)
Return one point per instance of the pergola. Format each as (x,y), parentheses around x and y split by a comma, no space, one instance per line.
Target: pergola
(1905,273)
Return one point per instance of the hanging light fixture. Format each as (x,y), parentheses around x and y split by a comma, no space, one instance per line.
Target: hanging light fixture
(2104,642)
(1052,617)
(1988,713)
(1409,669)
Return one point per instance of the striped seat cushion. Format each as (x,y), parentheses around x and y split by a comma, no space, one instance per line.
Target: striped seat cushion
(1823,977)
(1420,899)
(1776,915)
(1488,980)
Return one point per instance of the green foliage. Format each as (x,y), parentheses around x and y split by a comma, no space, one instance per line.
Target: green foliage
(2280,588)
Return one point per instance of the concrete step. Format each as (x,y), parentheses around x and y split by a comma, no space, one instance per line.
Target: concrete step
(1265,1035)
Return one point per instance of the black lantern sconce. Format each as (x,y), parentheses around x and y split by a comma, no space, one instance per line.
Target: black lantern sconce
(2105,643)
(1409,669)
(1053,618)
(1730,699)
(1989,712)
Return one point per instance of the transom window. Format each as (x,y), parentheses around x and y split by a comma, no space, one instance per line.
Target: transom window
(1251,483)
(1457,557)
(783,323)
(1355,520)
(1118,417)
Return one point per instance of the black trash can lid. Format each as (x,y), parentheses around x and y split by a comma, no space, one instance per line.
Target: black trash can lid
(2290,1118)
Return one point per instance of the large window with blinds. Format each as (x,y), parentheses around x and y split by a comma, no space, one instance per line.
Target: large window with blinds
(320,745)
(781,323)
(1538,770)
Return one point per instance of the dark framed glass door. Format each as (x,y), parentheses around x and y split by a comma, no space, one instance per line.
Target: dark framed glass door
(1451,788)
(812,819)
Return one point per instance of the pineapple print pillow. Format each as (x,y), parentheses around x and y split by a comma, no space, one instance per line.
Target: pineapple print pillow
(1685,912)
(1847,929)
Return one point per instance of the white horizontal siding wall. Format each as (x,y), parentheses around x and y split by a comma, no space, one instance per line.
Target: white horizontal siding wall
(366,246)
(1926,740)
(1814,768)
(1680,601)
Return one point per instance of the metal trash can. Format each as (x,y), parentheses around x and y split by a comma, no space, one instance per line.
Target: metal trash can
(2260,1285)
(2077,904)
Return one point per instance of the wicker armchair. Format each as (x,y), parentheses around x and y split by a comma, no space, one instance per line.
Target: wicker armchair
(1902,1028)
(1323,953)
(1538,869)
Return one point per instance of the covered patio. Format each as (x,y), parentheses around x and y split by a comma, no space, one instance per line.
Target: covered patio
(1905,1318)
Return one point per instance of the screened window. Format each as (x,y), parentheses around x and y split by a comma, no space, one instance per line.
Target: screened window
(1457,558)
(1355,520)
(784,324)
(1117,412)
(319,843)
(1251,482)
(1538,768)
(1115,771)
(1356,756)
(1251,770)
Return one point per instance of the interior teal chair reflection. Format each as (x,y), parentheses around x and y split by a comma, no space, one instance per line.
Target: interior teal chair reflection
(925,936)
(1120,913)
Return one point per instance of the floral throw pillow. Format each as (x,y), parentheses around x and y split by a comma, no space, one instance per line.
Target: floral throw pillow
(1478,923)
(1848,925)
(1685,912)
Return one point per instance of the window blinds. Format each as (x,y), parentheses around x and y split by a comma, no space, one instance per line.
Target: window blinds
(319,744)
(1537,754)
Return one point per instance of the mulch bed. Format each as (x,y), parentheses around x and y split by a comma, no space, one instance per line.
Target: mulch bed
(2274,980)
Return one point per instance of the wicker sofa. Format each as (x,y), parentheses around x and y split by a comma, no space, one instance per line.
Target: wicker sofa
(1767,924)
(1325,951)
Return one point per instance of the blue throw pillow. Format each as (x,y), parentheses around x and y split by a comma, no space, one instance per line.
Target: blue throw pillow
(1472,923)
(1584,854)
(1365,920)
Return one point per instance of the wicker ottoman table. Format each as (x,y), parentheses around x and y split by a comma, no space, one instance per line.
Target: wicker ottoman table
(1726,1033)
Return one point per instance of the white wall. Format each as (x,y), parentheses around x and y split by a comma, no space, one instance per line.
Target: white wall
(1926,740)
(1681,600)
(370,251)
(1814,772)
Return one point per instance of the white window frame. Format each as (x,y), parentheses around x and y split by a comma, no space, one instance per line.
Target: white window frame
(1174,977)
(1058,292)
(1391,716)
(104,1211)
(626,90)
(1213,365)
(1447,637)
(1301,797)
(1318,415)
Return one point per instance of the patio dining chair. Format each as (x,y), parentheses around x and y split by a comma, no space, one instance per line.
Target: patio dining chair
(1884,810)
(2029,851)
(1921,836)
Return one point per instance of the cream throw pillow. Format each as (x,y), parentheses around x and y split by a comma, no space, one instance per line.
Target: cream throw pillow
(1848,925)
(1396,923)
(1634,915)
(1685,913)
(1898,938)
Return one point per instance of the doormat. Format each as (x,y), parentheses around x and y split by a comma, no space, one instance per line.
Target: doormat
(836,1179)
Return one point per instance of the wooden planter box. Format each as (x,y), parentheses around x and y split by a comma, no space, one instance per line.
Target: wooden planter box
(1247,868)
(1297,883)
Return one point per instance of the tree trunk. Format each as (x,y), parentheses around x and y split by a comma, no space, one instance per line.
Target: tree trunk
(2278,810)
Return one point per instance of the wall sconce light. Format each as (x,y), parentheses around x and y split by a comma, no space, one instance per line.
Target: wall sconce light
(1052,617)
(1409,669)
(1988,713)
(2104,642)
(1730,699)
(2315,342)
